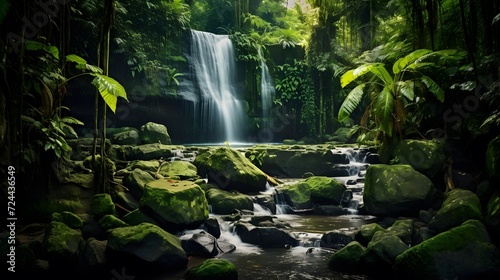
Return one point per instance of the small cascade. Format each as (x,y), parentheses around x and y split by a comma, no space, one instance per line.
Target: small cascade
(266,90)
(218,112)
(261,210)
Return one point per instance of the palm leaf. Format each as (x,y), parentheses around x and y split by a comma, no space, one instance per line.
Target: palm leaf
(109,89)
(353,74)
(350,103)
(384,105)
(433,87)
(403,62)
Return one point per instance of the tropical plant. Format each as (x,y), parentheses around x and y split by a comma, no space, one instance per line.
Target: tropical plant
(295,90)
(109,88)
(391,95)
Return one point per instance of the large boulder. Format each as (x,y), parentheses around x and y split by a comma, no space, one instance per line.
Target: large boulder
(175,202)
(348,258)
(136,180)
(396,190)
(151,151)
(425,156)
(381,253)
(266,237)
(295,161)
(152,132)
(224,202)
(366,232)
(297,196)
(230,170)
(144,247)
(180,170)
(325,190)
(464,252)
(61,245)
(102,204)
(458,206)
(205,245)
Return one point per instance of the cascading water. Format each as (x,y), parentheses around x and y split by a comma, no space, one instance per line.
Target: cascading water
(266,89)
(218,113)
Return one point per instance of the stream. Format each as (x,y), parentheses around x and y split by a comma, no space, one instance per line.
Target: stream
(307,260)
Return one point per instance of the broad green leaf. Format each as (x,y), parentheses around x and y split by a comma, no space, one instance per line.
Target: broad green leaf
(350,103)
(76,59)
(36,46)
(384,105)
(406,89)
(433,87)
(382,73)
(353,74)
(403,62)
(109,89)
(82,63)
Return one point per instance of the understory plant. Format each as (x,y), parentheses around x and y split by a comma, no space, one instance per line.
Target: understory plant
(391,95)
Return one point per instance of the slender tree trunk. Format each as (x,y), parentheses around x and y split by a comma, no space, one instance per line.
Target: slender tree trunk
(104,178)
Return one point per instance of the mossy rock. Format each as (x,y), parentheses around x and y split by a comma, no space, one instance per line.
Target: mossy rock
(463,252)
(151,132)
(70,219)
(366,232)
(61,244)
(396,190)
(181,170)
(146,246)
(137,217)
(348,258)
(458,206)
(102,204)
(178,202)
(425,156)
(136,180)
(230,170)
(297,195)
(225,203)
(209,269)
(110,222)
(325,190)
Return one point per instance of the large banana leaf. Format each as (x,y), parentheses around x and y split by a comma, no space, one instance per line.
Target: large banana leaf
(433,87)
(384,105)
(407,89)
(109,89)
(403,62)
(353,74)
(350,103)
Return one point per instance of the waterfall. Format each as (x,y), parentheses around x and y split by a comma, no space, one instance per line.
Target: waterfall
(266,89)
(218,113)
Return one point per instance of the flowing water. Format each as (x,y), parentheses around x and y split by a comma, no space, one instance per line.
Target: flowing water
(266,90)
(308,260)
(218,112)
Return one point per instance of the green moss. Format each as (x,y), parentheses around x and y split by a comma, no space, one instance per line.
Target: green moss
(348,258)
(102,204)
(109,222)
(325,190)
(298,195)
(213,269)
